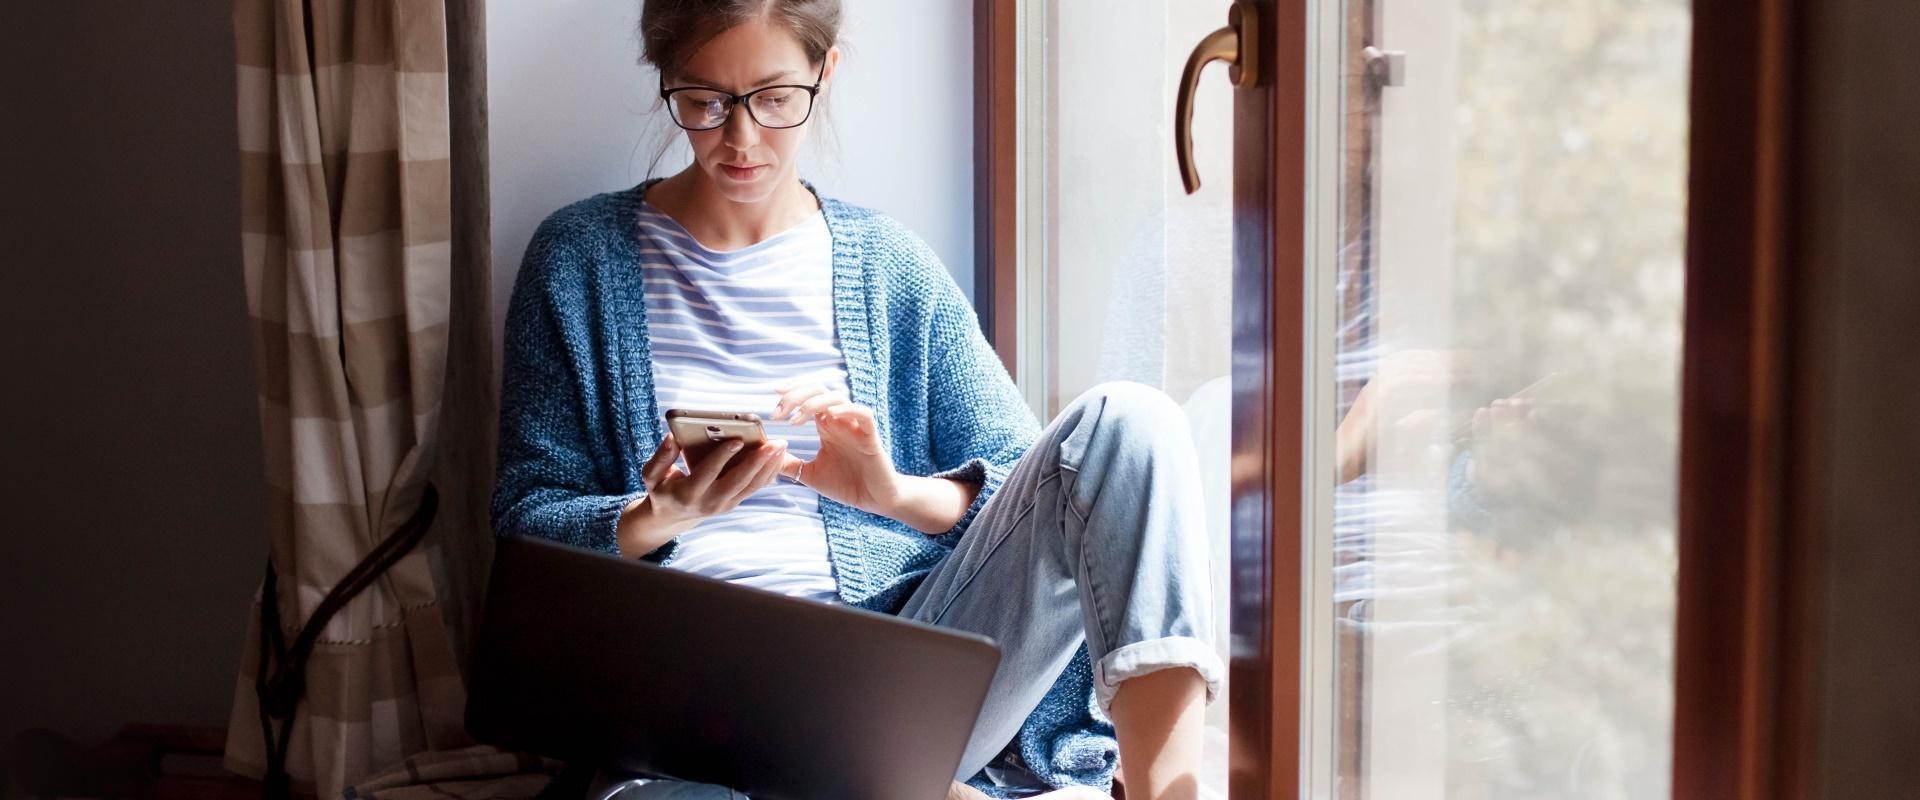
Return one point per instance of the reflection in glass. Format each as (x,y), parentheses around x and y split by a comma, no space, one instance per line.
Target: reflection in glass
(1506,397)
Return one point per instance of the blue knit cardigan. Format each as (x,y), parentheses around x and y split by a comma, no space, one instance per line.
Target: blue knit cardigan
(578,418)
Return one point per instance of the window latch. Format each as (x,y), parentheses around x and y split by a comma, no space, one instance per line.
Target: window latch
(1385,67)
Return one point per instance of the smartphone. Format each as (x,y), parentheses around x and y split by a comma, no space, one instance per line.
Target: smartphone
(699,432)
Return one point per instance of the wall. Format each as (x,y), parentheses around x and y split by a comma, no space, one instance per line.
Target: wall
(573,113)
(131,541)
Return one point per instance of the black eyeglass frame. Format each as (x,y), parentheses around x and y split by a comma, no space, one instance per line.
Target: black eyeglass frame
(737,100)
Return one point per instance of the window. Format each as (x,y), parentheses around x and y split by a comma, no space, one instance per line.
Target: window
(1125,276)
(1494,270)
(1501,298)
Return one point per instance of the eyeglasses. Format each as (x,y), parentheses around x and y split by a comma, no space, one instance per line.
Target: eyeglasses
(697,108)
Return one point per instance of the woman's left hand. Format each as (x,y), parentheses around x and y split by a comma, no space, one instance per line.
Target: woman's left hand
(852,466)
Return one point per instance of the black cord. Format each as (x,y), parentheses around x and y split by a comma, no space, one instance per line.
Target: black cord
(281,677)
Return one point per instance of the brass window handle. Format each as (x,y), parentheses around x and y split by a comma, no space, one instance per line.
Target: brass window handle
(1235,44)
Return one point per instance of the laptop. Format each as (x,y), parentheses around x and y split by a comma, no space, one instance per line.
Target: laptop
(633,667)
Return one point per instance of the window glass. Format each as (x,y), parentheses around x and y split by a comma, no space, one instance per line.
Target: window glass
(1128,277)
(1503,395)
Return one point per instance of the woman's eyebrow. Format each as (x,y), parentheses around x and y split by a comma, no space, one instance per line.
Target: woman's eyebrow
(690,78)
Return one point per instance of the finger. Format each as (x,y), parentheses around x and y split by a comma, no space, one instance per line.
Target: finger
(812,408)
(851,411)
(740,477)
(660,462)
(851,418)
(1516,412)
(1505,411)
(669,484)
(792,467)
(764,475)
(792,398)
(710,467)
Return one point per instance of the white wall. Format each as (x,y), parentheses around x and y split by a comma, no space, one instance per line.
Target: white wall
(573,113)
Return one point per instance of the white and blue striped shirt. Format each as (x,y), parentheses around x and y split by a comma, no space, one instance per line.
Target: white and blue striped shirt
(727,328)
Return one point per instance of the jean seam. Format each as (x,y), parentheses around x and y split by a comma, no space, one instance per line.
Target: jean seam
(1025,512)
(1093,597)
(1067,494)
(1085,574)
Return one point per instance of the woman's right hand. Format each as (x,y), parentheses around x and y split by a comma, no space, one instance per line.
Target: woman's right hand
(678,499)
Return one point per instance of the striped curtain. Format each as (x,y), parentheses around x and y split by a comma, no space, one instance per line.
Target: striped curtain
(346,223)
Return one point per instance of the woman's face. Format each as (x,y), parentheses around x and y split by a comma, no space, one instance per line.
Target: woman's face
(745,161)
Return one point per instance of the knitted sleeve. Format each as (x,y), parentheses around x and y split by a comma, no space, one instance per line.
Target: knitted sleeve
(549,483)
(979,424)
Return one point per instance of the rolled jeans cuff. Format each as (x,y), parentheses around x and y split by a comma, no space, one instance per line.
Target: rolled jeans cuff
(1140,658)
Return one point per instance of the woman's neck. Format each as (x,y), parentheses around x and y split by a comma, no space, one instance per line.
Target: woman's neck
(722,224)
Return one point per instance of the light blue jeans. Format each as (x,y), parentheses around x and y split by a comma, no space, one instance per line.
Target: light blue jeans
(1098,534)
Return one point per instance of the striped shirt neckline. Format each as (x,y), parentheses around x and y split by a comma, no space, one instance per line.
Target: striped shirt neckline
(659,223)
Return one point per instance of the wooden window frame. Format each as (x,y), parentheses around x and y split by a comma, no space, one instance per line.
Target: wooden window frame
(1270,450)
(1743,626)
(995,175)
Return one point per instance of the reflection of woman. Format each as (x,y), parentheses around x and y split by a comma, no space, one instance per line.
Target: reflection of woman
(916,481)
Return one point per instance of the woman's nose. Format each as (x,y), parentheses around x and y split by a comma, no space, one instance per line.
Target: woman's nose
(740,131)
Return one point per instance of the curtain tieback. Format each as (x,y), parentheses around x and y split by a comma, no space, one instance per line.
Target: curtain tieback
(281,679)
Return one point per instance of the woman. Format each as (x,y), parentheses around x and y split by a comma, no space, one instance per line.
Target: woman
(903,473)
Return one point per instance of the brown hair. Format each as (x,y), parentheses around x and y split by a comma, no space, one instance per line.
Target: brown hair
(671,31)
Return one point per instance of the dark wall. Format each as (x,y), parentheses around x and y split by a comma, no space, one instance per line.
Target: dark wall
(130,508)
(1859,228)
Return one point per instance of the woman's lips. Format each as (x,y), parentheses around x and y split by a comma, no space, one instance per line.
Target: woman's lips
(743,173)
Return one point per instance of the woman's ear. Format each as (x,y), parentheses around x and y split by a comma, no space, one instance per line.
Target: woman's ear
(832,66)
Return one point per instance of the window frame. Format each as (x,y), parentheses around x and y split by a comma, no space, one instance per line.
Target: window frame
(995,175)
(1744,635)
(1744,601)
(1270,246)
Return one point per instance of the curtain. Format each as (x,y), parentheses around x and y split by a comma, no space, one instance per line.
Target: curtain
(349,252)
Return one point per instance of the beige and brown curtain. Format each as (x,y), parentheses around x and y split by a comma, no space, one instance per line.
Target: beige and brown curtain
(361,320)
